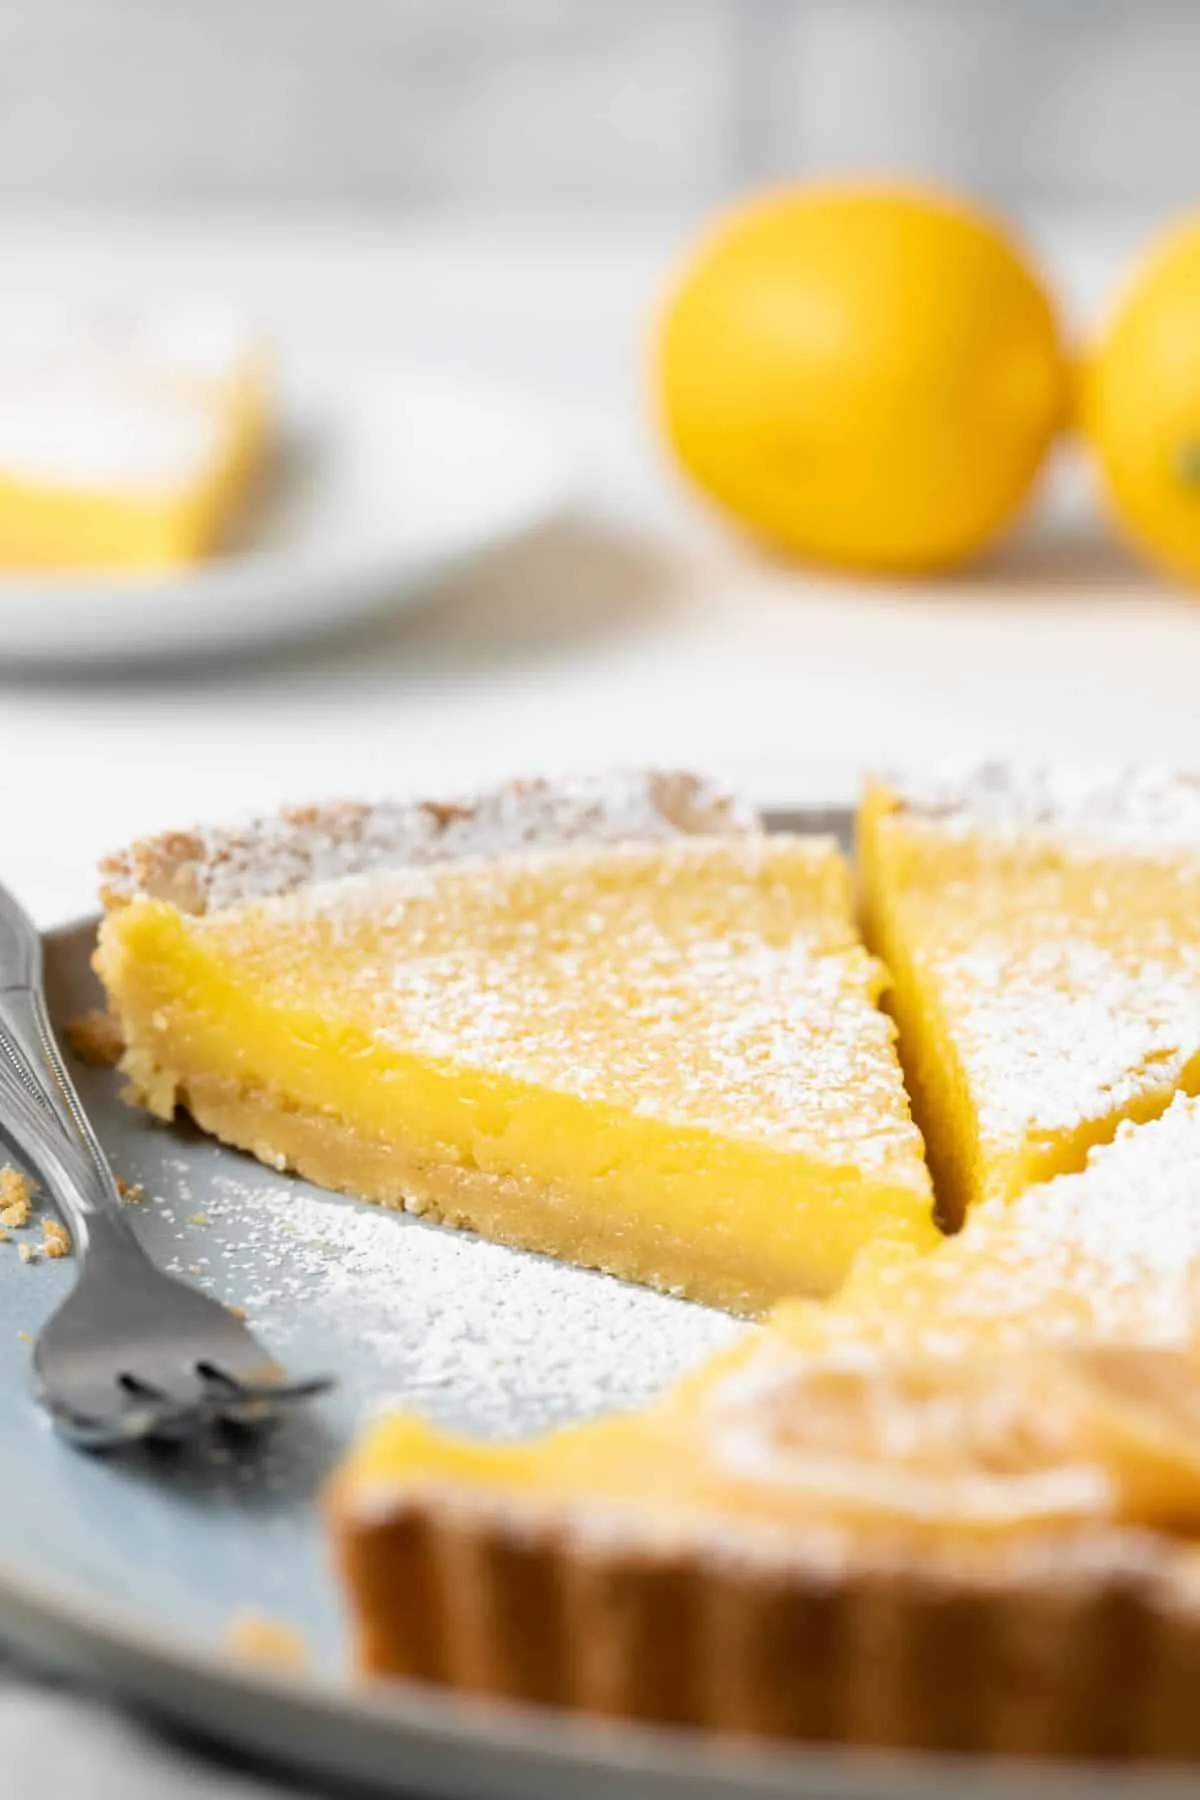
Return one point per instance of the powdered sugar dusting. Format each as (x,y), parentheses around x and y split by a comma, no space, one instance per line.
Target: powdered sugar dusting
(469,1333)
(1109,1255)
(1064,1032)
(1145,806)
(118,399)
(206,869)
(1051,917)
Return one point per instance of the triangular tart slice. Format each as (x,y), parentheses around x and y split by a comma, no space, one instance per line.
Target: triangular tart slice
(1042,929)
(614,1022)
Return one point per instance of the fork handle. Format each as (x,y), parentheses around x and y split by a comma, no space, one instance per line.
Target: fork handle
(43,1115)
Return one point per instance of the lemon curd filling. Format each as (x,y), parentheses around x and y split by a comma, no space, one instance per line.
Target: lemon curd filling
(1042,930)
(662,1060)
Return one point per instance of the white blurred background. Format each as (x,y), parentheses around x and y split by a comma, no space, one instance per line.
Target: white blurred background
(503,187)
(389,105)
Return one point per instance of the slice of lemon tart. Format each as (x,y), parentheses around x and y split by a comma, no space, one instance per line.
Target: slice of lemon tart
(1042,929)
(967,1515)
(1109,1255)
(611,1021)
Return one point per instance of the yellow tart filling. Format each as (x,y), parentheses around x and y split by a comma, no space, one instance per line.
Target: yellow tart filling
(1042,932)
(670,1053)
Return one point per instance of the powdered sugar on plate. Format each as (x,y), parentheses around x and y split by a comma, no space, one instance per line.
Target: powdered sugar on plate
(418,1316)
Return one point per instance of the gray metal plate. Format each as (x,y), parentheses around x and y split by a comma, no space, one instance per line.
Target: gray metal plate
(132,1571)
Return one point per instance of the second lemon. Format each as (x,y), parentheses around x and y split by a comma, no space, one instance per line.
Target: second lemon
(869,377)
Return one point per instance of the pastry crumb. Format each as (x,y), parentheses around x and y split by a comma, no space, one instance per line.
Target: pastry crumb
(131,1192)
(58,1239)
(239,1312)
(96,1039)
(27,1253)
(15,1195)
(260,1639)
(24,1337)
(200,1218)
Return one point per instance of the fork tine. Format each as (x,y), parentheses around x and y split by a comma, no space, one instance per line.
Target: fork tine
(145,1418)
(284,1393)
(254,1405)
(222,1384)
(121,1428)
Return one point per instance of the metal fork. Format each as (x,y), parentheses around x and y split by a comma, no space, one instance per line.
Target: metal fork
(132,1353)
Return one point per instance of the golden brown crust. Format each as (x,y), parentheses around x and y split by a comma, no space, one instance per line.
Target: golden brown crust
(57,1240)
(254,1637)
(16,1198)
(200,871)
(96,1038)
(1087,1646)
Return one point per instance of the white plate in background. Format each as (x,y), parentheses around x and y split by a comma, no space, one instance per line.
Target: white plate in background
(386,479)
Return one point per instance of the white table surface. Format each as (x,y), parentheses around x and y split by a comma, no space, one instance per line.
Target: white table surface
(635,630)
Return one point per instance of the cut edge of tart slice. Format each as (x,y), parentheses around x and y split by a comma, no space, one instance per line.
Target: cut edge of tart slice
(1109,1254)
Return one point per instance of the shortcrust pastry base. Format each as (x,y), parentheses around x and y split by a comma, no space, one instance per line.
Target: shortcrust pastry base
(523,1213)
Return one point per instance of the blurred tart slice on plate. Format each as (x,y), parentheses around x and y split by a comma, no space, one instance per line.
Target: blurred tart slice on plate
(130,436)
(1042,930)
(973,1525)
(613,1021)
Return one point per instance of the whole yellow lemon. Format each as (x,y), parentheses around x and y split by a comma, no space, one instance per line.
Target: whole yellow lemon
(1141,403)
(868,376)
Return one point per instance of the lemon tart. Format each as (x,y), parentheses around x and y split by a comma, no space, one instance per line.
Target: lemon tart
(129,437)
(976,1526)
(613,1022)
(1042,930)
